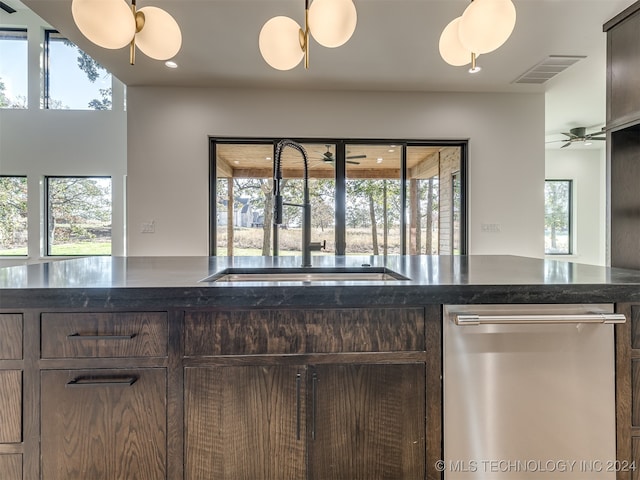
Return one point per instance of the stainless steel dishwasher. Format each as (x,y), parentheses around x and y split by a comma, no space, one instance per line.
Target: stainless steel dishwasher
(529,392)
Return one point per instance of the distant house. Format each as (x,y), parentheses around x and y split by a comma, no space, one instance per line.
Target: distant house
(244,216)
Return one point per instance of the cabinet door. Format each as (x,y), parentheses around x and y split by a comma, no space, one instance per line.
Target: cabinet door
(245,423)
(367,422)
(10,406)
(623,70)
(104,424)
(11,467)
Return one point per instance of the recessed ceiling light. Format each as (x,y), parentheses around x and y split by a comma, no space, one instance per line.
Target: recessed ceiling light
(236,162)
(267,158)
(391,150)
(171,64)
(379,160)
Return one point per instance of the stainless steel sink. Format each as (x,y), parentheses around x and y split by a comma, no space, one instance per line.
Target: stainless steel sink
(305,275)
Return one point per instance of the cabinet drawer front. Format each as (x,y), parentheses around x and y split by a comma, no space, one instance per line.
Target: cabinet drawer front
(365,330)
(10,406)
(10,336)
(126,334)
(259,332)
(248,332)
(11,467)
(104,424)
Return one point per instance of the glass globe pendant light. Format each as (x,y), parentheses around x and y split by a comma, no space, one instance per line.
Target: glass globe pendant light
(279,43)
(283,43)
(332,22)
(114,24)
(159,37)
(451,49)
(486,24)
(107,23)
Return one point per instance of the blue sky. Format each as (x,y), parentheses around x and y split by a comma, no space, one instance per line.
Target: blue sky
(68,83)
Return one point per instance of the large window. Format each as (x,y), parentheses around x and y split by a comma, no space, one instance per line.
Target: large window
(367,198)
(78,215)
(244,206)
(72,79)
(13,68)
(557,217)
(13,215)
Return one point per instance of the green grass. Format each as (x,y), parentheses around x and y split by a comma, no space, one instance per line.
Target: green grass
(22,252)
(82,248)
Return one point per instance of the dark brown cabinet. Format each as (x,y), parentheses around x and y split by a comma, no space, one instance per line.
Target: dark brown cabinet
(203,393)
(317,394)
(11,467)
(623,67)
(11,387)
(367,422)
(102,417)
(10,336)
(103,424)
(10,406)
(623,156)
(339,422)
(628,392)
(245,422)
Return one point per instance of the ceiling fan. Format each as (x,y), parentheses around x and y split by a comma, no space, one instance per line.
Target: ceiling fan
(329,158)
(579,134)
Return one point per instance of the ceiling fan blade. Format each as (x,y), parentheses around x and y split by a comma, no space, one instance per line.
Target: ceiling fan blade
(352,162)
(596,138)
(356,156)
(570,135)
(566,145)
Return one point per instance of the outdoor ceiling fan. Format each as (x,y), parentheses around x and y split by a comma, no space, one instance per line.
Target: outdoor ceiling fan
(579,134)
(329,158)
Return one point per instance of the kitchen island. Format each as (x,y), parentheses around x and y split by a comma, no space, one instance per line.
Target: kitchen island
(117,368)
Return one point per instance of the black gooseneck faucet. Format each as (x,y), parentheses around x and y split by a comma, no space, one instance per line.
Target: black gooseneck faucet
(306,205)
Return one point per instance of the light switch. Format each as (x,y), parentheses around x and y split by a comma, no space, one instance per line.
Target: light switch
(148,227)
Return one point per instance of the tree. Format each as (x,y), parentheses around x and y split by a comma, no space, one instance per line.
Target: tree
(13,212)
(77,202)
(6,102)
(381,199)
(93,70)
(556,209)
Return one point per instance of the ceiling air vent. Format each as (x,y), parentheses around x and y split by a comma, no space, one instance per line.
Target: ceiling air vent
(7,8)
(548,68)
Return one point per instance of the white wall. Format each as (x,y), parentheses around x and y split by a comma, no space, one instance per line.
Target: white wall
(168,153)
(37,143)
(587,170)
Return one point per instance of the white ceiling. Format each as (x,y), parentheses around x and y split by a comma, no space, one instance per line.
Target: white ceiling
(394,48)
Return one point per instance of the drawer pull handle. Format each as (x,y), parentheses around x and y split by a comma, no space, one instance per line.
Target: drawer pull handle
(314,403)
(94,381)
(298,382)
(79,336)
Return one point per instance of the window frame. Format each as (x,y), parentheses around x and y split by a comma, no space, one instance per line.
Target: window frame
(570,215)
(47,242)
(340,182)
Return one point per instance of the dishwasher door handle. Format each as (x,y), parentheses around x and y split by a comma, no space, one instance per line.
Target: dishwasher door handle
(543,319)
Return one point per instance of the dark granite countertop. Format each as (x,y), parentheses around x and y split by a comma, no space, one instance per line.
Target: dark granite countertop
(175,282)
